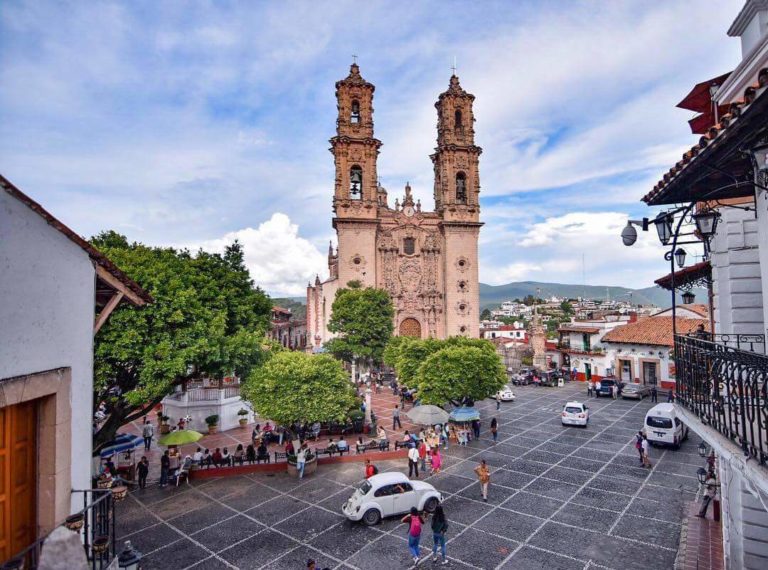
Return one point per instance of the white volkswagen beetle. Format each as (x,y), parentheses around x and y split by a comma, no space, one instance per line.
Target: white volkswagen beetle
(388,494)
(506,394)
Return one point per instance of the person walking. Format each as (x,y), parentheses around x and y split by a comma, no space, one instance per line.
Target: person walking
(639,445)
(414,521)
(498,402)
(165,467)
(423,453)
(670,396)
(597,389)
(709,494)
(654,394)
(437,460)
(590,388)
(413,461)
(396,418)
(148,432)
(494,429)
(439,528)
(143,470)
(646,447)
(301,460)
(615,391)
(484,477)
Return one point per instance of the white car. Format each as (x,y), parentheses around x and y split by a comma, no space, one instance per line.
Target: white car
(506,394)
(388,494)
(575,414)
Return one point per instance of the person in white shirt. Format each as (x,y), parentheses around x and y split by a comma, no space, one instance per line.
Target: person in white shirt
(645,446)
(198,457)
(301,460)
(413,461)
(597,388)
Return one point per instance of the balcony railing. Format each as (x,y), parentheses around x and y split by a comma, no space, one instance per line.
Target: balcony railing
(97,531)
(725,387)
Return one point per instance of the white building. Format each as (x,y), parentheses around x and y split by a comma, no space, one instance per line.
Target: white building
(52,282)
(582,347)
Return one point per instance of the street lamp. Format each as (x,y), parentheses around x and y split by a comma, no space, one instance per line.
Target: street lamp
(663,223)
(688,298)
(701,475)
(130,558)
(703,449)
(680,257)
(706,223)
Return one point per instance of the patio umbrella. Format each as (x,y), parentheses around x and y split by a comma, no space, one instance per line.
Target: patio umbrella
(464,414)
(123,442)
(427,415)
(180,437)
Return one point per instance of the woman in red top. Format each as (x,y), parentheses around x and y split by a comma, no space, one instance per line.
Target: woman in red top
(370,470)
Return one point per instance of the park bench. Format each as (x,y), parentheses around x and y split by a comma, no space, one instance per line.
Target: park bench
(400,444)
(280,456)
(371,446)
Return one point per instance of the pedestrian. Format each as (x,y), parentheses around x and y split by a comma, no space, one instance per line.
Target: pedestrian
(670,396)
(709,494)
(148,431)
(439,528)
(301,460)
(484,477)
(437,460)
(654,394)
(646,450)
(165,467)
(639,445)
(574,373)
(597,389)
(498,402)
(476,428)
(494,429)
(590,388)
(414,521)
(423,453)
(370,469)
(446,431)
(396,418)
(615,390)
(413,461)
(381,434)
(143,471)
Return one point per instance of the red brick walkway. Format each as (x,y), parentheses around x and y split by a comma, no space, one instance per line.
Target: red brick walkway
(701,545)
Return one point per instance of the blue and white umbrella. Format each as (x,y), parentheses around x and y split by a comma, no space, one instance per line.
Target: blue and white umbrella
(464,414)
(123,442)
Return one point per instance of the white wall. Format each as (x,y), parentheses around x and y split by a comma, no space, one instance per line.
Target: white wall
(737,284)
(762,239)
(47,311)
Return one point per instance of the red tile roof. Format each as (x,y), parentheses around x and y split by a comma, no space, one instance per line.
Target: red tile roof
(691,274)
(578,329)
(656,331)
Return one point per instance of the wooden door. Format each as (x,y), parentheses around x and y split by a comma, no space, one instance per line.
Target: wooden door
(18,478)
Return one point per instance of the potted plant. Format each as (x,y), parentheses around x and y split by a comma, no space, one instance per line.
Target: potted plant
(164,425)
(213,423)
(243,420)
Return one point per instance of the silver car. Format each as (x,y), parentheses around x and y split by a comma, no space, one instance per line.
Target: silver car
(635,391)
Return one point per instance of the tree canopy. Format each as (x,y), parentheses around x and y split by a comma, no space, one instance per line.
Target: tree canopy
(207,319)
(299,387)
(362,318)
(486,315)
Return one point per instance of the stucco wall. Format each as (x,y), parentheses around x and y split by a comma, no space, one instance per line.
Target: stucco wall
(47,310)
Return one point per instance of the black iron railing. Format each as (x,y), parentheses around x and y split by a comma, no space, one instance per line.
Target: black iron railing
(725,387)
(96,526)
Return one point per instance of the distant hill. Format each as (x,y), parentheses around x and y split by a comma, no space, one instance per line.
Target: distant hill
(491,296)
(295,304)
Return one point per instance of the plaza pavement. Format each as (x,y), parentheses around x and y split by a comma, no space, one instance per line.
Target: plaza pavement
(560,498)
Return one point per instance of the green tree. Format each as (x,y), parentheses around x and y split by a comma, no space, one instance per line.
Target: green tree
(412,355)
(363,320)
(566,307)
(486,315)
(394,347)
(460,371)
(207,319)
(299,387)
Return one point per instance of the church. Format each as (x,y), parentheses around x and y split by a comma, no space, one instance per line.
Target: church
(426,260)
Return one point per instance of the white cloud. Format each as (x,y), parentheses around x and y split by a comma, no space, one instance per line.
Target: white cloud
(279,260)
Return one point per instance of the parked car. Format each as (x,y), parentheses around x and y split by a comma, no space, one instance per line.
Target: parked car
(575,414)
(636,391)
(606,387)
(524,377)
(549,378)
(506,394)
(662,426)
(388,494)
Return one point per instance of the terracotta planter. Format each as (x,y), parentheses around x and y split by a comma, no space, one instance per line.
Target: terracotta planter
(309,468)
(74,522)
(165,428)
(243,422)
(119,493)
(213,429)
(100,544)
(104,483)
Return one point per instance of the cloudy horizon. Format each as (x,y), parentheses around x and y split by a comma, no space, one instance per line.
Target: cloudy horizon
(192,125)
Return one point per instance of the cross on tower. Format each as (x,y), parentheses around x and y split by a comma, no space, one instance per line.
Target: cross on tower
(453,68)
(354,58)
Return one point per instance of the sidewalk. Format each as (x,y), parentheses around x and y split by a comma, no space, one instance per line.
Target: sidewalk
(701,542)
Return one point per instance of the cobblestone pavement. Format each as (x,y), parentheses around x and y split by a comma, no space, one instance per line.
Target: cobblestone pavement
(560,498)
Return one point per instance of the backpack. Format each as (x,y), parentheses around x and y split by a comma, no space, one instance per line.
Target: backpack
(375,470)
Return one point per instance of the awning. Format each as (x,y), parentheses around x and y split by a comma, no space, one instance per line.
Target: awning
(697,275)
(700,99)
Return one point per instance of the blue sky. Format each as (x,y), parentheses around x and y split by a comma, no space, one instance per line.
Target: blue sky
(192,123)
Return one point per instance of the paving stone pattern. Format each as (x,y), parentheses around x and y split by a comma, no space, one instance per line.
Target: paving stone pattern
(560,498)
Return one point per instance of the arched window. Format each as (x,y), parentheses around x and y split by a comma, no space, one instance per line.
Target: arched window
(461,188)
(356,183)
(355,116)
(457,121)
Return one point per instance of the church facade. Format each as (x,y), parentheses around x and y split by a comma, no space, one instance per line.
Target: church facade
(426,260)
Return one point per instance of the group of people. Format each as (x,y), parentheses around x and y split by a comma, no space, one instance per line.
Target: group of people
(424,448)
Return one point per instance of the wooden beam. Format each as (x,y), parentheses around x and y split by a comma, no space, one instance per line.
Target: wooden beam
(107,310)
(118,285)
